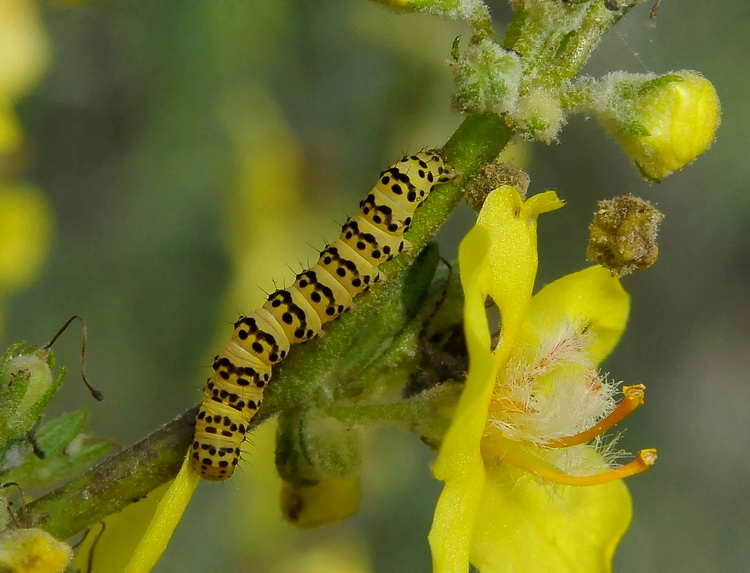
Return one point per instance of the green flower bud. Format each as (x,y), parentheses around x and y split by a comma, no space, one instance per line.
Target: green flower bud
(26,387)
(539,115)
(487,78)
(663,123)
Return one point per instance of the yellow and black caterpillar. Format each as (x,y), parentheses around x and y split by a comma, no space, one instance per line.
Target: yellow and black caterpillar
(346,268)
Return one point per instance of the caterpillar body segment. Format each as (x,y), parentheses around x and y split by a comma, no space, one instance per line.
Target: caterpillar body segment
(347,267)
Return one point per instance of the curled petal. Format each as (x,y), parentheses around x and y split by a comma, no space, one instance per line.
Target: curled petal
(168,514)
(460,464)
(498,258)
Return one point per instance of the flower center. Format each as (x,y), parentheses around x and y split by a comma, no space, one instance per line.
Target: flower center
(549,397)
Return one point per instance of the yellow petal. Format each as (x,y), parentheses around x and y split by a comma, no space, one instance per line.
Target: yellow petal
(593,296)
(122,532)
(512,258)
(168,514)
(497,257)
(527,525)
(694,120)
(459,463)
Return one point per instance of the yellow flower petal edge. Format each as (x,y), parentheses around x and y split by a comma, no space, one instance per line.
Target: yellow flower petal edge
(512,256)
(461,467)
(498,258)
(109,546)
(593,296)
(164,522)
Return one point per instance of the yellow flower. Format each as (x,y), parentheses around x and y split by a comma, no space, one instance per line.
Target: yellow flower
(517,449)
(24,48)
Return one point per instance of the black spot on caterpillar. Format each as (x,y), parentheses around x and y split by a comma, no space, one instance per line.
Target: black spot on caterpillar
(346,267)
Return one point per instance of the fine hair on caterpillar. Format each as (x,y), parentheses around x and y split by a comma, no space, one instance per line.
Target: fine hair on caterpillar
(347,267)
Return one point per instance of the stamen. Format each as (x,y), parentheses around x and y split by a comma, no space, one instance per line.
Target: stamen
(633,398)
(532,464)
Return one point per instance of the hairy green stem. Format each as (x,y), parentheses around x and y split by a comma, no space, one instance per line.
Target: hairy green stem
(116,482)
(555,39)
(131,474)
(599,19)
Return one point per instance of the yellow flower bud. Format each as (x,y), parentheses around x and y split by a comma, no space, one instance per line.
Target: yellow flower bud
(673,120)
(33,551)
(319,503)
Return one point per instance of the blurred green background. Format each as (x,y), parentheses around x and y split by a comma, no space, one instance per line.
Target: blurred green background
(194,151)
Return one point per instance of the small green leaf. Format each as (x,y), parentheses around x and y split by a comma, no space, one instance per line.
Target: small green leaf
(65,451)
(635,127)
(56,435)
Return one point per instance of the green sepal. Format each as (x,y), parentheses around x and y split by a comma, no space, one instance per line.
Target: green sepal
(311,446)
(645,175)
(635,127)
(443,355)
(657,83)
(456,48)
